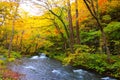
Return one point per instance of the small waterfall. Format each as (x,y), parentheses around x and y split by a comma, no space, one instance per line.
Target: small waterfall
(42,56)
(35,57)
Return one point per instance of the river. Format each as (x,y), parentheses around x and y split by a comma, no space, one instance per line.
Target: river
(44,68)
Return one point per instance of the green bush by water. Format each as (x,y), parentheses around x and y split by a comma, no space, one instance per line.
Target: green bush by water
(97,62)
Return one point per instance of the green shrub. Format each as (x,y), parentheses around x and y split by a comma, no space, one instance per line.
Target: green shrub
(1,62)
(96,62)
(15,54)
(106,18)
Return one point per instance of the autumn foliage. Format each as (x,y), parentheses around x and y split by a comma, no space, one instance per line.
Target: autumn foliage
(6,74)
(50,32)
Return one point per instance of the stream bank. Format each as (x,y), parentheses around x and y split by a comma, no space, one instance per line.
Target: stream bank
(44,68)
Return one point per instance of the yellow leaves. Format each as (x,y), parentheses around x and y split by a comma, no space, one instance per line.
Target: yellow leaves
(114,3)
(1,62)
(6,4)
(11,59)
(19,24)
(82,11)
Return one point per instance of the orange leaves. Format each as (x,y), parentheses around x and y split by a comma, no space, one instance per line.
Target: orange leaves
(56,31)
(102,5)
(102,2)
(82,18)
(26,36)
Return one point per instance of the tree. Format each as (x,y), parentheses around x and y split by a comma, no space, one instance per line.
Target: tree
(93,9)
(50,6)
(77,23)
(54,20)
(13,24)
(71,32)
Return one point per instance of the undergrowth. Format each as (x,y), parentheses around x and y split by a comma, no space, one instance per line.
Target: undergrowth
(97,62)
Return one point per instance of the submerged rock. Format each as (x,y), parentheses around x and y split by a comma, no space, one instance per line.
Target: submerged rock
(30,67)
(107,78)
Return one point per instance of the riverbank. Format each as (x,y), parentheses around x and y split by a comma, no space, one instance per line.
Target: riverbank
(41,67)
(96,63)
(7,74)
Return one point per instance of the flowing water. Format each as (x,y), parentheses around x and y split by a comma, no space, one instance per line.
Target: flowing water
(44,68)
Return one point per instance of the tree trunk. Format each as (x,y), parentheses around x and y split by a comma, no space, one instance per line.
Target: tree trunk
(11,39)
(77,23)
(12,35)
(21,41)
(61,20)
(70,27)
(105,43)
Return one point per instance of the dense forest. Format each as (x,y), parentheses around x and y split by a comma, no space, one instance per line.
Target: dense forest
(82,33)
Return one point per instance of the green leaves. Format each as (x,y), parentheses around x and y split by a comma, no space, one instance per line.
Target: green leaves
(111,27)
(106,18)
(89,36)
(113,30)
(96,61)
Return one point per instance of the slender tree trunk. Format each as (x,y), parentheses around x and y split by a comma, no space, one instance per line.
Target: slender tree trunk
(70,27)
(104,40)
(6,41)
(11,39)
(21,40)
(36,45)
(77,23)
(17,44)
(12,35)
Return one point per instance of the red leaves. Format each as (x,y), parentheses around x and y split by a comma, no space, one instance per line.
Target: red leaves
(9,74)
